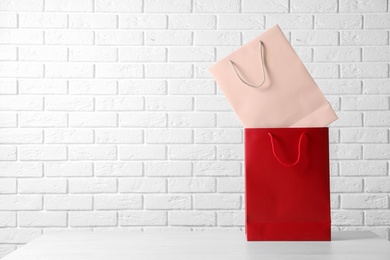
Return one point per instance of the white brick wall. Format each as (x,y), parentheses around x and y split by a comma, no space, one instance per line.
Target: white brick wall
(109,118)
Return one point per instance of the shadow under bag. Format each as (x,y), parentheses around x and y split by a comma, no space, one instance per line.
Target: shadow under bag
(287,194)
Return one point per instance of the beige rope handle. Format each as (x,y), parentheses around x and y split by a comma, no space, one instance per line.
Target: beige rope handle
(261,47)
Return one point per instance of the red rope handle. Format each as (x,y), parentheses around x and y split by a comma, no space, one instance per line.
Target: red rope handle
(299,150)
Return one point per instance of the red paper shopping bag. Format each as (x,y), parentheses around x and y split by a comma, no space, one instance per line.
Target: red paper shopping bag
(287,192)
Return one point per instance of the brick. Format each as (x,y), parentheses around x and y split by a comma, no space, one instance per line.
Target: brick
(8,120)
(142,152)
(345,151)
(217,201)
(377,118)
(376,53)
(241,22)
(18,36)
(211,103)
(228,119)
(20,170)
(119,70)
(323,70)
(290,21)
(132,21)
(365,135)
(169,103)
(42,20)
(69,37)
(343,184)
(142,185)
(119,136)
(68,136)
(231,218)
(8,53)
(92,185)
(95,21)
(349,119)
(22,6)
(21,136)
(168,136)
(304,53)
(8,186)
(44,86)
(142,218)
(268,6)
(8,153)
(93,219)
(69,6)
(192,54)
(186,152)
(168,202)
(338,22)
(377,184)
(68,169)
(69,70)
(191,87)
(314,38)
(149,119)
(142,87)
(101,119)
(337,54)
(68,202)
(117,202)
(8,20)
(132,6)
(377,21)
(167,169)
(93,152)
(364,201)
(7,219)
(230,152)
(20,202)
(376,151)
(39,185)
(93,54)
(145,54)
(44,153)
(340,86)
(155,6)
(6,249)
(121,103)
(334,201)
(194,21)
(364,70)
(68,103)
(92,87)
(363,168)
(310,6)
(191,185)
(191,218)
(116,38)
(377,217)
(42,219)
(218,169)
(18,235)
(168,38)
(357,6)
(230,185)
(119,169)
(191,119)
(365,103)
(366,37)
(208,38)
(347,217)
(46,119)
(21,70)
(204,136)
(229,6)
(169,70)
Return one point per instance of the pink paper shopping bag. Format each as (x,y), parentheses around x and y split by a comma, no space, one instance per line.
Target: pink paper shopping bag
(268,86)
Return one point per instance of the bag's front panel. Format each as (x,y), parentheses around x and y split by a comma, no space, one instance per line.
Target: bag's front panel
(287,202)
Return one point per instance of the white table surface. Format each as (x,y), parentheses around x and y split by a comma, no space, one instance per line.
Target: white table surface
(197,245)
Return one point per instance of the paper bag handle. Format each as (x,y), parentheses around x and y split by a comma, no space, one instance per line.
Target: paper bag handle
(261,47)
(299,151)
